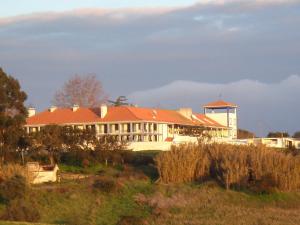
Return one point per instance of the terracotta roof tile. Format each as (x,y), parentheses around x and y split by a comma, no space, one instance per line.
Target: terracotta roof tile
(220,104)
(63,116)
(118,114)
(208,122)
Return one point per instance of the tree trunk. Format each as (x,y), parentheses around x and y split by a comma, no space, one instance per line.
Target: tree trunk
(1,160)
(52,161)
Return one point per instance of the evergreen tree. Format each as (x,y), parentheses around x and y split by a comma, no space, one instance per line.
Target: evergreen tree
(120,101)
(278,134)
(296,134)
(12,114)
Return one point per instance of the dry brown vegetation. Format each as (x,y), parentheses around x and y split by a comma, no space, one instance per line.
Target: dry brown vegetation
(259,168)
(10,170)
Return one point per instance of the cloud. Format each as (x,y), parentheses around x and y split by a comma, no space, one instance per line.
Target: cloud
(263,107)
(216,42)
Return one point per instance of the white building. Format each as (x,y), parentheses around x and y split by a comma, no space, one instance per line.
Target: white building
(281,143)
(143,128)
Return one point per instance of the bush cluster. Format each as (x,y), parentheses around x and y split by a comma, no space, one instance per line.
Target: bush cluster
(14,192)
(105,184)
(13,188)
(255,167)
(86,158)
(131,220)
(21,210)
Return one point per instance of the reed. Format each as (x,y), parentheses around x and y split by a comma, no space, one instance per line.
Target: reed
(231,165)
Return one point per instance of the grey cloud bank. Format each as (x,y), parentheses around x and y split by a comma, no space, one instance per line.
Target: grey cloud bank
(245,49)
(262,107)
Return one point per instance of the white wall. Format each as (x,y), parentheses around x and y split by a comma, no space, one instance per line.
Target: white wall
(144,146)
(221,118)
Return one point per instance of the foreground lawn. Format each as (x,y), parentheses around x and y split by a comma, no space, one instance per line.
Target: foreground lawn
(139,200)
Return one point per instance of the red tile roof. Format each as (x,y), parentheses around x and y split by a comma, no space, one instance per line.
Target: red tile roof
(63,116)
(169,139)
(118,114)
(220,104)
(208,122)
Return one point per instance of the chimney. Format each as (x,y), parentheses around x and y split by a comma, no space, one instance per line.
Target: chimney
(52,108)
(103,110)
(75,108)
(31,112)
(186,112)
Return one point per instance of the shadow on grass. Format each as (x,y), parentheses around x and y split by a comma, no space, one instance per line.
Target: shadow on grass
(144,161)
(150,171)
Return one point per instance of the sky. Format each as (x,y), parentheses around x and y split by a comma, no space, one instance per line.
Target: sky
(19,7)
(166,54)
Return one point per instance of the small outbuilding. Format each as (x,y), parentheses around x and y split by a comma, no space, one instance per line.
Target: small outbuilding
(42,173)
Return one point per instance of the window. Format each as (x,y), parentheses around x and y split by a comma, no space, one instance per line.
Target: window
(128,127)
(155,127)
(116,127)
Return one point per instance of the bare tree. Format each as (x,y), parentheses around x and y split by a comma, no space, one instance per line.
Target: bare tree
(85,91)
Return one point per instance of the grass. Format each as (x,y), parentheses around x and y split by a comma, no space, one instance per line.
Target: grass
(77,202)
(20,223)
(93,169)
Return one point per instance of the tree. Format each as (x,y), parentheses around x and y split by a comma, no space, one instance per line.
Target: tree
(78,139)
(296,134)
(244,134)
(12,113)
(57,139)
(85,91)
(278,134)
(50,139)
(120,101)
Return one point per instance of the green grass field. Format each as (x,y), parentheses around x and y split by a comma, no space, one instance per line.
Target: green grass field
(139,198)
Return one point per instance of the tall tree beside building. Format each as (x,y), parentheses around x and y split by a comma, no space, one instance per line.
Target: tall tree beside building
(12,113)
(85,91)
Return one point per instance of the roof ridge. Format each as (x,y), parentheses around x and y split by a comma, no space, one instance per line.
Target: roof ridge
(132,113)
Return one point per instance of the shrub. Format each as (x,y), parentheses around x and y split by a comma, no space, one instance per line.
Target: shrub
(266,185)
(77,158)
(182,164)
(105,184)
(13,188)
(10,170)
(131,220)
(21,210)
(232,166)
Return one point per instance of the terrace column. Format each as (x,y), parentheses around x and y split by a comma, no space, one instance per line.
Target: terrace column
(108,128)
(130,130)
(142,131)
(120,132)
(97,128)
(227,117)
(173,130)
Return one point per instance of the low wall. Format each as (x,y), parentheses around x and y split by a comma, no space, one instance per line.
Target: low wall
(44,177)
(41,174)
(144,146)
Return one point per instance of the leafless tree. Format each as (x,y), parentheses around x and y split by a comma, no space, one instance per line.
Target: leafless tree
(85,91)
